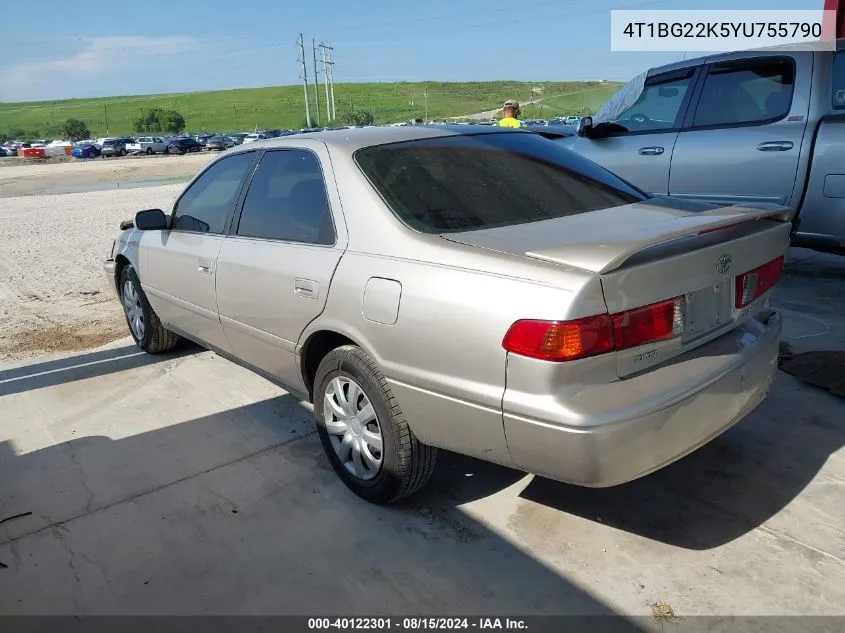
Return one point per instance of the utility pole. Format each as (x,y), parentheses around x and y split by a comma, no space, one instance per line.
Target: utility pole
(330,50)
(316,79)
(304,77)
(425,97)
(106,112)
(327,79)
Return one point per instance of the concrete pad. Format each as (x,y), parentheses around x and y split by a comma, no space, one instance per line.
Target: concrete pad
(184,484)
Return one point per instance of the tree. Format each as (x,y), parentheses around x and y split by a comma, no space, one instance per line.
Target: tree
(159,120)
(171,121)
(356,117)
(75,130)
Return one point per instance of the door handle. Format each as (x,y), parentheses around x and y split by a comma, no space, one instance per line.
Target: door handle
(204,266)
(306,288)
(650,151)
(775,146)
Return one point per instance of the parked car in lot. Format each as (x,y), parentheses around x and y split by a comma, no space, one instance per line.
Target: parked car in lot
(85,150)
(763,126)
(115,147)
(147,145)
(476,289)
(237,137)
(251,138)
(219,143)
(182,145)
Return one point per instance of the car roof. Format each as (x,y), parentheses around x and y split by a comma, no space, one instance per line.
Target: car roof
(351,140)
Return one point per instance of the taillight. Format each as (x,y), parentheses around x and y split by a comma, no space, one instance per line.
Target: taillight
(560,340)
(755,283)
(657,322)
(590,336)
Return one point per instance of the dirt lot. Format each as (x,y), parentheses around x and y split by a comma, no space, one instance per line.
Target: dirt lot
(53,293)
(29,177)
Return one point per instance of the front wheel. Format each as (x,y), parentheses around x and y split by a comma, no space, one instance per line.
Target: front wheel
(144,325)
(363,431)
(149,151)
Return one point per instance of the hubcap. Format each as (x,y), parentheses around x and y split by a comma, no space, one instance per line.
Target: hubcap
(132,307)
(353,427)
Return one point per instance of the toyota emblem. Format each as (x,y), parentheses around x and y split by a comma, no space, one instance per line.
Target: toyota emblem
(723,264)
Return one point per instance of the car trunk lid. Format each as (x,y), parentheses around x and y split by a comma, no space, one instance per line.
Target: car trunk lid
(656,250)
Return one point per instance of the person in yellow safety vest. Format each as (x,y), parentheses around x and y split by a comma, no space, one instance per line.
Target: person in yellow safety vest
(511,112)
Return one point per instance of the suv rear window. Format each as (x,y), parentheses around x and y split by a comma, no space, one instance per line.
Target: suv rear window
(481,181)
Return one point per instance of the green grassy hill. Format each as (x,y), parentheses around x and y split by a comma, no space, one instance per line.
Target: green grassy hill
(283,106)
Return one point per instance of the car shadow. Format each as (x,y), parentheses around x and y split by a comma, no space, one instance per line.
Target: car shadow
(727,487)
(83,366)
(238,512)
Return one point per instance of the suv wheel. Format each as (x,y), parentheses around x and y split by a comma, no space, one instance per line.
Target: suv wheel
(144,325)
(149,151)
(363,430)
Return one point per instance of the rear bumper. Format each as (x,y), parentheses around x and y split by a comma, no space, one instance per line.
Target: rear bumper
(666,427)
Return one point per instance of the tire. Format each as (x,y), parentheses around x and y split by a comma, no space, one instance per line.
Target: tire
(405,464)
(154,338)
(123,152)
(149,151)
(166,149)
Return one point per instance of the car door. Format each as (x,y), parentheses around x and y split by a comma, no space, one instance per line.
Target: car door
(179,265)
(275,269)
(642,154)
(742,141)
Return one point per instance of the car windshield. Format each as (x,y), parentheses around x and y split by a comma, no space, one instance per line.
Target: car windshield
(483,181)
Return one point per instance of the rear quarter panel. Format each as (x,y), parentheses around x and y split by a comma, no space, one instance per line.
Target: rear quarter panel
(443,355)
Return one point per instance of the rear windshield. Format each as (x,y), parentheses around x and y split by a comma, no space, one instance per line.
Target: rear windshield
(471,182)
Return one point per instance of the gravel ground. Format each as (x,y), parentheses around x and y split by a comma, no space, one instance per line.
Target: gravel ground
(24,177)
(54,295)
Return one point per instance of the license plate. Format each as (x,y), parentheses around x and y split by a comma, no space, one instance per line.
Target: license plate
(707,309)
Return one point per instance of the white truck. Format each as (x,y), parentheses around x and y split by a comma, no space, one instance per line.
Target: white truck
(147,145)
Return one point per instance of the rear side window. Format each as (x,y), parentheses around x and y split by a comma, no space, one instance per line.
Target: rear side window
(287,200)
(206,205)
(462,183)
(839,80)
(747,92)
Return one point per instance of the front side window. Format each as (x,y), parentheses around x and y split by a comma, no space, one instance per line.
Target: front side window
(482,181)
(747,92)
(287,200)
(206,205)
(658,106)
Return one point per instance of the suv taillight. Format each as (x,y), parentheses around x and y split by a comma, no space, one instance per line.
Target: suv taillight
(755,283)
(570,340)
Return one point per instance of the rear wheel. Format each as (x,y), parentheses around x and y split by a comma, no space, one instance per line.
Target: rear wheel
(363,431)
(167,149)
(144,325)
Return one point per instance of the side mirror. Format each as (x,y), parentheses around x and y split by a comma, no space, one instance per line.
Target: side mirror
(584,125)
(151,220)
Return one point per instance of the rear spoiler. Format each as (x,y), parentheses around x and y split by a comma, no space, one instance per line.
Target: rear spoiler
(683,234)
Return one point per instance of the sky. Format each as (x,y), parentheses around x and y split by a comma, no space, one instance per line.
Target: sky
(54,49)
